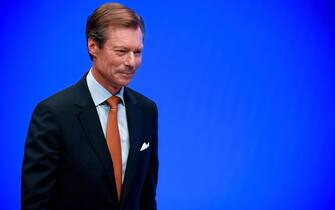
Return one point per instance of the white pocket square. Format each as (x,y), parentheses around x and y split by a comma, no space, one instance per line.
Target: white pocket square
(145,146)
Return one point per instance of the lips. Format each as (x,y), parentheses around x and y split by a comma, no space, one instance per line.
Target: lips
(128,74)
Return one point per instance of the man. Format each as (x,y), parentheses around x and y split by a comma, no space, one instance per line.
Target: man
(94,145)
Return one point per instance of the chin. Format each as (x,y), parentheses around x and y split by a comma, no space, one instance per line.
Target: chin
(124,83)
(127,80)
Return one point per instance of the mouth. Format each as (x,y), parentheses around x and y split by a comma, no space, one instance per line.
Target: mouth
(127,74)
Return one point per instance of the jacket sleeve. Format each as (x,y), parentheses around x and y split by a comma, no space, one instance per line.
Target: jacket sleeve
(41,160)
(148,197)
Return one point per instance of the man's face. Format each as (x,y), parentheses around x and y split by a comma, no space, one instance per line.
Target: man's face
(115,64)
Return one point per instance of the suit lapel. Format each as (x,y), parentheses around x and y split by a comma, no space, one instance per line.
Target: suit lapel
(134,122)
(89,120)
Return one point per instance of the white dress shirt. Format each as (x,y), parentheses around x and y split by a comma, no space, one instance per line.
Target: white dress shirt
(100,95)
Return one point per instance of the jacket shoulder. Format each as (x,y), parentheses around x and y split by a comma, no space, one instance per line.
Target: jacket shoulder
(61,98)
(141,99)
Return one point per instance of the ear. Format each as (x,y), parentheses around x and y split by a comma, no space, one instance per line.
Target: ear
(92,47)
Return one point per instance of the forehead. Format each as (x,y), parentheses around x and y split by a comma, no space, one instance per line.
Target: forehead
(124,37)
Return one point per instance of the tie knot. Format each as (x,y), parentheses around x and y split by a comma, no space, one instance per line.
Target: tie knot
(113,102)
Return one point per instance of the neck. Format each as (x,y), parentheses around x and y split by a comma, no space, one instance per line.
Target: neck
(104,82)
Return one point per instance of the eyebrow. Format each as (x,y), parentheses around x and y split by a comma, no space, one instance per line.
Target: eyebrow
(125,47)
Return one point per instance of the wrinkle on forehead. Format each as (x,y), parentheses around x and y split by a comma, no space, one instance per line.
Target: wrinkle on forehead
(124,37)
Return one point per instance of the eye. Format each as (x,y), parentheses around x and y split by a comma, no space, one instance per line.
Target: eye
(120,52)
(138,53)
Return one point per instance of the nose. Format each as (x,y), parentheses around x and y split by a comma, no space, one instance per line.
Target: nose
(130,60)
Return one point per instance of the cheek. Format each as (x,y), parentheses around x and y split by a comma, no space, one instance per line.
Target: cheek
(115,62)
(138,61)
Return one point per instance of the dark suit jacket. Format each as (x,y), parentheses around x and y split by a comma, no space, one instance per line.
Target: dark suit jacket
(66,162)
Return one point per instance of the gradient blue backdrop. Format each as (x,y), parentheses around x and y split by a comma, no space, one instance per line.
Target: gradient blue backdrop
(244,88)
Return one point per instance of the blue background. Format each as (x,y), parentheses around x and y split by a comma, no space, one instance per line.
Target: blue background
(245,90)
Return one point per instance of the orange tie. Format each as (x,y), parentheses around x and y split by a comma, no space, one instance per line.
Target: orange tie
(113,142)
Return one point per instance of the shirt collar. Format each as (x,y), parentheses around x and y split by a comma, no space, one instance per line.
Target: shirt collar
(100,94)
